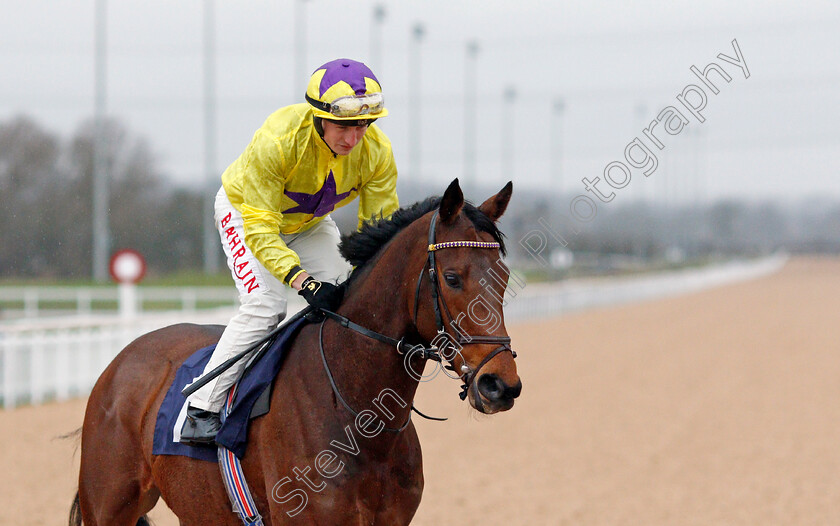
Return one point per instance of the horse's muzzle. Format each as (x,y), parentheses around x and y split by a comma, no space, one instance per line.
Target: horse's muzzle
(495,393)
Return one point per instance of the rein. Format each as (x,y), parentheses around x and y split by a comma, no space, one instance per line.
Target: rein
(335,387)
(468,375)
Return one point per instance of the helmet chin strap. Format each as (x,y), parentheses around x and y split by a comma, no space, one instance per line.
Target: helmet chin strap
(319,127)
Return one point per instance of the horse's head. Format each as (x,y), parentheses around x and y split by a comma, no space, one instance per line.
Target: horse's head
(459,297)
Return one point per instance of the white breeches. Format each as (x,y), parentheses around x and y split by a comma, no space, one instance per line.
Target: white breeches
(262,297)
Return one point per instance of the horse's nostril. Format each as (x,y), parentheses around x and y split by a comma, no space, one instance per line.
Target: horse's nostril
(491,387)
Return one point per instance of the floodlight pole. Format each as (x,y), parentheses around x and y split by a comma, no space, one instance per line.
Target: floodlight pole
(100,169)
(470,114)
(414,102)
(557,145)
(211,239)
(300,76)
(508,134)
(376,38)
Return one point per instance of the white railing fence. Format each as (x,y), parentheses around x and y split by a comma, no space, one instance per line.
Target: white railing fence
(54,358)
(39,363)
(549,299)
(31,302)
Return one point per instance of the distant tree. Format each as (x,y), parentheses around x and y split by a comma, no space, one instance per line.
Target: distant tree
(145,214)
(180,232)
(46,186)
(28,164)
(724,218)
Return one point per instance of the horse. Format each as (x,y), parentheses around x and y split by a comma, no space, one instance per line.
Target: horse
(336,389)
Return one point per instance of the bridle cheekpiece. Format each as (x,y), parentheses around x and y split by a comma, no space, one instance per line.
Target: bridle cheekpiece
(468,374)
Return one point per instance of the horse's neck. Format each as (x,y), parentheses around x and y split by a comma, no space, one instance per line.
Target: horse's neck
(378,302)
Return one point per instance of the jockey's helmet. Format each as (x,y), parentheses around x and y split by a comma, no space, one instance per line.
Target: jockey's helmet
(345,90)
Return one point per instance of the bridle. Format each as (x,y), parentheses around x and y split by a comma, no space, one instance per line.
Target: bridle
(433,352)
(468,375)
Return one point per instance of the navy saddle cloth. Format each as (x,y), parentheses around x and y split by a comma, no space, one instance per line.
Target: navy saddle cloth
(234,432)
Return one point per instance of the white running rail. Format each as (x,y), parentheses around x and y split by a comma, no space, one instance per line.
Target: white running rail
(542,300)
(54,358)
(57,359)
(31,302)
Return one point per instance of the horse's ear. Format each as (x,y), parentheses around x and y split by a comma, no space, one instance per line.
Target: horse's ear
(496,205)
(451,203)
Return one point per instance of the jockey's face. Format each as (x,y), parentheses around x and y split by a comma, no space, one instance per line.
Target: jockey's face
(340,138)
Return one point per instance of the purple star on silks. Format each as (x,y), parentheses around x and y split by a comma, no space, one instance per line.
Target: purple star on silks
(350,71)
(321,202)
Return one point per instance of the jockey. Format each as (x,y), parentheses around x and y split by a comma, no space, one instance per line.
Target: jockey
(272,214)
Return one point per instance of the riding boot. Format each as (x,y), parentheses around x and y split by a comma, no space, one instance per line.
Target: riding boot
(200,427)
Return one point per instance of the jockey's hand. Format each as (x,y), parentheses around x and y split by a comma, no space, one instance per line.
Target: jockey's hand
(321,294)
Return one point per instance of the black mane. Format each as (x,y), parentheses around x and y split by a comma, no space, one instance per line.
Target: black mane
(360,247)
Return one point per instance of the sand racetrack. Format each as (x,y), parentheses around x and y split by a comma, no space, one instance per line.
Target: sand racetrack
(720,407)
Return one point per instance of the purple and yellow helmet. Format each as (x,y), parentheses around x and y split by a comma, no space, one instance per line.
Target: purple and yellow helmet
(344,90)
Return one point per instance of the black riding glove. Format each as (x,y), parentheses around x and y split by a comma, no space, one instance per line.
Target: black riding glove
(321,294)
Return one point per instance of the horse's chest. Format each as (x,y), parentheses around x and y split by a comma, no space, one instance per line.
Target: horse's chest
(363,473)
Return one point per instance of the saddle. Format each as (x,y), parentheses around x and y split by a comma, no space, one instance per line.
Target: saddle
(253,392)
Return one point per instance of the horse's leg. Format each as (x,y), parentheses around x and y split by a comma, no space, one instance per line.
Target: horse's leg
(115,487)
(115,481)
(194,491)
(302,496)
(120,503)
(118,479)
(401,496)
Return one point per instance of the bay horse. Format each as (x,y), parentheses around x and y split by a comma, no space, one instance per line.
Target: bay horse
(359,477)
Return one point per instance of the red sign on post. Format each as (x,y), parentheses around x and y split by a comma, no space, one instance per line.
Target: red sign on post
(127,266)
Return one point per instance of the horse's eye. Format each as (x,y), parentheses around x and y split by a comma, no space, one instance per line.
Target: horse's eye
(452,280)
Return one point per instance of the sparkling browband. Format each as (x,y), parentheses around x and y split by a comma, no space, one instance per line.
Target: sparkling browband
(471,244)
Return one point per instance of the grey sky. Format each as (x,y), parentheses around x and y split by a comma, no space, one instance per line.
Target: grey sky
(615,64)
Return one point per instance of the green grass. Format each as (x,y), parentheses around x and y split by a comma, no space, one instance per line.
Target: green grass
(191,278)
(181,279)
(197,278)
(546,274)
